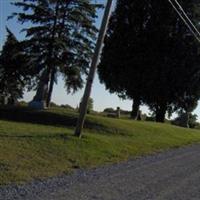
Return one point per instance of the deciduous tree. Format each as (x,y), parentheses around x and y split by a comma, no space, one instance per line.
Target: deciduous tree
(151,57)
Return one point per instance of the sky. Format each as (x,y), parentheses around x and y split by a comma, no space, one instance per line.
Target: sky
(102,98)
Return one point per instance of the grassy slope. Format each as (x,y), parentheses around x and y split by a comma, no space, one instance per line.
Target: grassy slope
(30,151)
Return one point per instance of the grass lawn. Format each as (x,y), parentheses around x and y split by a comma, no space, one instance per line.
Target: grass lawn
(41,149)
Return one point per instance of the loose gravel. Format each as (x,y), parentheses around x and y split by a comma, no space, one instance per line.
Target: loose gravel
(174,174)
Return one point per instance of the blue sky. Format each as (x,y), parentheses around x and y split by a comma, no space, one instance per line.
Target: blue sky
(102,98)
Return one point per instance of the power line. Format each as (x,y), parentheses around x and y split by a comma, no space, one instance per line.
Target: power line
(181,8)
(184,20)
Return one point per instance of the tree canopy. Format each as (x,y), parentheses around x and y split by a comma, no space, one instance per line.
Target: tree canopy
(60,39)
(150,56)
(15,70)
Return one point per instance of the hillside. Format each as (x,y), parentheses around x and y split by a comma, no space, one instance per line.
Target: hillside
(41,144)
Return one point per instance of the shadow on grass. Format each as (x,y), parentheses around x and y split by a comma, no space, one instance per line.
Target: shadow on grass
(58,136)
(45,117)
(20,114)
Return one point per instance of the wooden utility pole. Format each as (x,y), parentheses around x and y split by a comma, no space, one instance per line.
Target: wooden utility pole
(97,52)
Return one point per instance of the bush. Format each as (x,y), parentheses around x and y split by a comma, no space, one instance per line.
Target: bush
(67,107)
(188,120)
(109,110)
(52,104)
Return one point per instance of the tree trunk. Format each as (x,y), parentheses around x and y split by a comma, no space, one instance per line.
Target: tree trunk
(187,118)
(52,78)
(135,108)
(4,100)
(49,95)
(40,98)
(38,101)
(160,112)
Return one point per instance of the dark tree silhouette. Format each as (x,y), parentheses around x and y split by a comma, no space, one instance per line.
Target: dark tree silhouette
(60,40)
(151,57)
(15,70)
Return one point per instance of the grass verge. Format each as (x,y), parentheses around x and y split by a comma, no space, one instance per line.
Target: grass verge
(31,151)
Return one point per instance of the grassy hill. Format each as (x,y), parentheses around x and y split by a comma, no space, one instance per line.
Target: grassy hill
(39,144)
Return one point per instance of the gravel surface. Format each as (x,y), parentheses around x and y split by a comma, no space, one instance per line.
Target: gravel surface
(174,174)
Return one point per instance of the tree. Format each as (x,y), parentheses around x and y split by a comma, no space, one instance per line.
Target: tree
(175,63)
(90,105)
(193,121)
(15,70)
(150,56)
(186,120)
(185,117)
(109,110)
(60,40)
(122,64)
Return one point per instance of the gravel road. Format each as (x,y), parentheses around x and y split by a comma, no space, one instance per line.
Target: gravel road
(173,175)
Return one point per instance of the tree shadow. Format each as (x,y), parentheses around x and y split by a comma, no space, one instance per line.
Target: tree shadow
(44,117)
(22,136)
(36,117)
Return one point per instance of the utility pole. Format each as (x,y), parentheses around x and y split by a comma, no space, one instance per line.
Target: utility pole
(94,63)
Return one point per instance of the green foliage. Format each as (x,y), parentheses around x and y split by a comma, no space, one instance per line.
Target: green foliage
(90,105)
(15,70)
(60,38)
(186,120)
(52,104)
(22,103)
(109,110)
(67,107)
(31,151)
(152,59)
(193,123)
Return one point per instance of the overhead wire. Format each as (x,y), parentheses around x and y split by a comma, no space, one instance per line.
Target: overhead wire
(181,8)
(185,21)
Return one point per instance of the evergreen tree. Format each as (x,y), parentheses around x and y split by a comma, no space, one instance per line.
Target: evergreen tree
(15,70)
(174,59)
(150,56)
(124,54)
(60,40)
